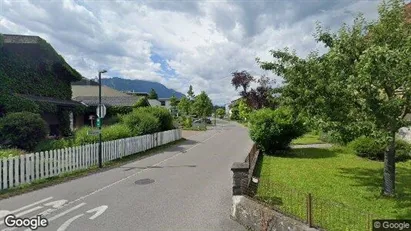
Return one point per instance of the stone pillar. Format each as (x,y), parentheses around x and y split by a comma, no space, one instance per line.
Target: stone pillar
(240,178)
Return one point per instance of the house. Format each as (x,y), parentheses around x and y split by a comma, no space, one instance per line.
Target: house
(35,78)
(87,92)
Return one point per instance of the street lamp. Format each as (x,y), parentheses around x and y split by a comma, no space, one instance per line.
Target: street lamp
(100,162)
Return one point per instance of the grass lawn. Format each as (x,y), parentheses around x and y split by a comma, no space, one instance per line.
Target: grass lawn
(308,138)
(343,186)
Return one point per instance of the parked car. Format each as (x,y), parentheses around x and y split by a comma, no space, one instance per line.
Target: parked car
(200,121)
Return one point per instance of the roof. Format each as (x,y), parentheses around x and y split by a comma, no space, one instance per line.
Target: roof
(127,100)
(59,102)
(89,90)
(20,39)
(154,102)
(85,82)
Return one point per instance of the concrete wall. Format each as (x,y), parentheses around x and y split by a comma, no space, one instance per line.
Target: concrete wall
(256,216)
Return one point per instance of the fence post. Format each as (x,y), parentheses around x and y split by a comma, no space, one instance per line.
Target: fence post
(309,210)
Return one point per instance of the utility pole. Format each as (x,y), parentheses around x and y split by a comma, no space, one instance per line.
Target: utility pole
(100,162)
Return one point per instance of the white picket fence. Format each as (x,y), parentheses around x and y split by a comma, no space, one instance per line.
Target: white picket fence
(40,165)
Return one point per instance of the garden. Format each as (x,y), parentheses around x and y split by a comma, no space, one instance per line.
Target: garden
(355,96)
(25,132)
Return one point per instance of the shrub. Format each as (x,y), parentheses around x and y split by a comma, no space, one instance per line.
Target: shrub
(274,129)
(10,152)
(141,122)
(22,130)
(46,145)
(367,147)
(116,131)
(402,150)
(162,114)
(81,136)
(188,122)
(373,149)
(113,132)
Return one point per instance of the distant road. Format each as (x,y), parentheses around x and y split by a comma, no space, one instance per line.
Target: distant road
(186,187)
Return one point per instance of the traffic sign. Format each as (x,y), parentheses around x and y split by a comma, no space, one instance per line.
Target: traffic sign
(93,132)
(98,122)
(103,111)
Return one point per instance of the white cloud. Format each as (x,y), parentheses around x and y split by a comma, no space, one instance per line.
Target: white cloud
(204,42)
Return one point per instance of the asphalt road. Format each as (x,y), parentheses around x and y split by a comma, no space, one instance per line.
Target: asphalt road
(186,187)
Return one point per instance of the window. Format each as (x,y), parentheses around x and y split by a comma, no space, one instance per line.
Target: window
(163,103)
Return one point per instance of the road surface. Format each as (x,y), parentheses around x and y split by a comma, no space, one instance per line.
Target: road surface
(186,187)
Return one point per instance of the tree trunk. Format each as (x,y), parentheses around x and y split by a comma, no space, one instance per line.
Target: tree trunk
(389,168)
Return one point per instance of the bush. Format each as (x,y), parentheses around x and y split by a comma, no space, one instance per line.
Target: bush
(367,147)
(162,114)
(141,122)
(113,132)
(402,150)
(10,152)
(273,130)
(188,122)
(46,145)
(23,130)
(373,149)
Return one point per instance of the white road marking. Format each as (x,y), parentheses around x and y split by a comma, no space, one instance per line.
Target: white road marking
(99,210)
(55,204)
(66,224)
(62,214)
(3,212)
(24,213)
(65,212)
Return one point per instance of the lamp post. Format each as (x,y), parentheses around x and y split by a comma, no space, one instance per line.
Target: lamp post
(100,162)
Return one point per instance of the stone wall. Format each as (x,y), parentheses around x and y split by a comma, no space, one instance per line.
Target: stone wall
(256,216)
(249,212)
(20,39)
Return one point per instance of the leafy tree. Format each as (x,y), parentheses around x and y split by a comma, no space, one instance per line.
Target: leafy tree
(142,102)
(152,94)
(202,105)
(257,98)
(190,93)
(244,110)
(173,104)
(173,101)
(220,113)
(361,86)
(242,79)
(184,106)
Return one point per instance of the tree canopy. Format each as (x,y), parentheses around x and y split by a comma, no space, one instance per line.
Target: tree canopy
(202,105)
(152,94)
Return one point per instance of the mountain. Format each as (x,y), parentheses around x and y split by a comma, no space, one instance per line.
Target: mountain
(140,86)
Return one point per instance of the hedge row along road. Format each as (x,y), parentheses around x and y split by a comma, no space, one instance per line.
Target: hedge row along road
(185,187)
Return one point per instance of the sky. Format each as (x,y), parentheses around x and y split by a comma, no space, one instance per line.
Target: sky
(178,43)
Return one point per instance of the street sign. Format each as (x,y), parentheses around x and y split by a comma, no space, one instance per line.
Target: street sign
(98,122)
(103,111)
(93,132)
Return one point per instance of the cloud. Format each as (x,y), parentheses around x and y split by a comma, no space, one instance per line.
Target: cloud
(197,43)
